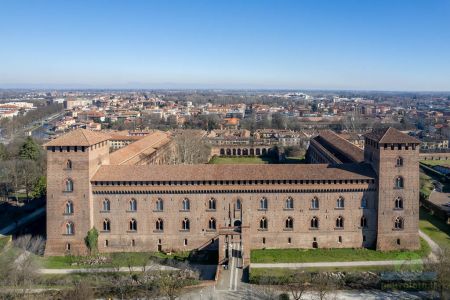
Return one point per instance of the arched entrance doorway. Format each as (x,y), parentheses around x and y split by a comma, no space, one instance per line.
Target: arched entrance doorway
(237,223)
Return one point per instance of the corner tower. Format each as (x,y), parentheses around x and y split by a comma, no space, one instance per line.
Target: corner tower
(394,156)
(72,160)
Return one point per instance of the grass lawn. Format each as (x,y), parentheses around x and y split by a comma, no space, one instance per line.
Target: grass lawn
(295,160)
(330,255)
(435,162)
(124,259)
(426,185)
(222,160)
(3,241)
(283,272)
(435,228)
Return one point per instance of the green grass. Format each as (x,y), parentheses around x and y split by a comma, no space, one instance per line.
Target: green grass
(333,255)
(426,185)
(284,272)
(122,259)
(295,160)
(221,160)
(435,228)
(3,241)
(435,162)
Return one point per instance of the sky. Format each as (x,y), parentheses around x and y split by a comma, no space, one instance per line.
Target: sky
(401,45)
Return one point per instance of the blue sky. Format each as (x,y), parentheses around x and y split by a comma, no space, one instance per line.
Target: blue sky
(345,44)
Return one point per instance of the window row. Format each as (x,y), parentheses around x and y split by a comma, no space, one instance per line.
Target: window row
(314,223)
(159,224)
(212,224)
(159,205)
(314,204)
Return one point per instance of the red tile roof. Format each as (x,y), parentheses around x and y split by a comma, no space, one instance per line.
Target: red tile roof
(207,172)
(391,135)
(79,137)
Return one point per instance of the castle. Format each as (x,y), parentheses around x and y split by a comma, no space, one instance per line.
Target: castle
(345,197)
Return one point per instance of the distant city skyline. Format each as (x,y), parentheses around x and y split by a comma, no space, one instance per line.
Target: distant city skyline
(324,45)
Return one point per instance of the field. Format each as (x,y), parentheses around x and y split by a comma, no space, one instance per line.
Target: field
(257,274)
(333,255)
(224,160)
(229,160)
(426,184)
(435,162)
(124,259)
(436,229)
(3,241)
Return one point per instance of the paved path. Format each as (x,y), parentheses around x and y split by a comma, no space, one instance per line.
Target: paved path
(28,218)
(230,279)
(435,249)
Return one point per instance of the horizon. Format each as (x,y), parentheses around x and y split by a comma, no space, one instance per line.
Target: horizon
(348,45)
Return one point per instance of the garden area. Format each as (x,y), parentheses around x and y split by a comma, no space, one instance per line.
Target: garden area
(334,255)
(110,260)
(21,260)
(228,160)
(435,228)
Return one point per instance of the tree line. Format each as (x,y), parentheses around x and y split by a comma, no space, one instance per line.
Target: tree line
(10,127)
(22,170)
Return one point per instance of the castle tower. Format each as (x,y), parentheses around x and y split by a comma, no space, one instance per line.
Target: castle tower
(394,157)
(72,160)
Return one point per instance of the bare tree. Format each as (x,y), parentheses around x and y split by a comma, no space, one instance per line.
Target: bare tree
(323,285)
(440,264)
(81,290)
(298,284)
(31,244)
(189,148)
(170,284)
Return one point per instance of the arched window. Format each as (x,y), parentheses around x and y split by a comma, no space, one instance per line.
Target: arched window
(133,205)
(363,222)
(212,204)
(398,223)
(212,224)
(399,161)
(159,205)
(263,223)
(69,185)
(68,164)
(289,203)
(314,222)
(340,222)
(363,203)
(186,204)
(69,208)
(263,203)
(70,228)
(106,205)
(185,224)
(238,204)
(315,203)
(398,203)
(289,223)
(133,225)
(159,225)
(340,202)
(107,225)
(399,182)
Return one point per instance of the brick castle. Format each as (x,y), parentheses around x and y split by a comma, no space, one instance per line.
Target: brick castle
(345,197)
